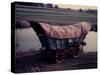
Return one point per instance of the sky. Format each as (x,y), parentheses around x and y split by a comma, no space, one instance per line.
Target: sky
(76,6)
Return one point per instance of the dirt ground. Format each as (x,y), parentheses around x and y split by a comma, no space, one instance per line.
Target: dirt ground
(35,63)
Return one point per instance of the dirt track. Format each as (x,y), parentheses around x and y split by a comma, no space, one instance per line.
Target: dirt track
(36,63)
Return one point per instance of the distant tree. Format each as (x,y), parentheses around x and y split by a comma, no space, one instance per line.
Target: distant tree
(49,5)
(91,11)
(80,10)
(69,9)
(40,4)
(56,6)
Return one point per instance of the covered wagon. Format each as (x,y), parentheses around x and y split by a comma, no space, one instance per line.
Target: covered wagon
(57,40)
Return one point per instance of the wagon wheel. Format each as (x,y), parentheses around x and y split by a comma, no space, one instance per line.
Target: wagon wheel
(77,51)
(60,55)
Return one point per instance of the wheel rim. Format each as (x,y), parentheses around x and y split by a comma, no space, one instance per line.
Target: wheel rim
(60,56)
(76,54)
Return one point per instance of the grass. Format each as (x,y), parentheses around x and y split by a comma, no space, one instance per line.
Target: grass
(53,15)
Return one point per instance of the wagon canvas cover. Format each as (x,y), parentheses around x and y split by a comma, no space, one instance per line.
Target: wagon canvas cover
(50,37)
(66,31)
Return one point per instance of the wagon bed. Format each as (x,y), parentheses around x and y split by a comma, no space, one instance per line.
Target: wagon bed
(56,48)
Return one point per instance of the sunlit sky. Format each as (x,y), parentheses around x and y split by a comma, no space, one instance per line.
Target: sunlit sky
(76,6)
